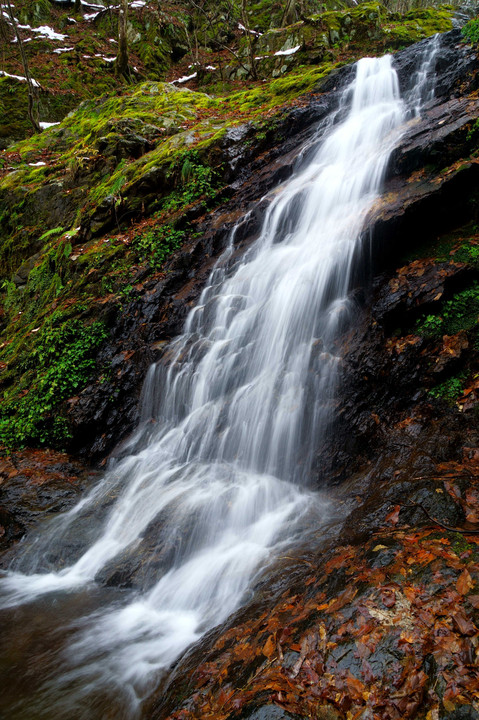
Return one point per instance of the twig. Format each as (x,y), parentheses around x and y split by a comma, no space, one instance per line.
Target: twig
(463,531)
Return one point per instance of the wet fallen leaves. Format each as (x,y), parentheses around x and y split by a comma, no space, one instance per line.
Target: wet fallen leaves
(385,630)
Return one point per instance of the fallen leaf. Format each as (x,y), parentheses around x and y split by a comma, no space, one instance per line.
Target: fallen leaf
(269,647)
(464,624)
(393,517)
(464,583)
(388,597)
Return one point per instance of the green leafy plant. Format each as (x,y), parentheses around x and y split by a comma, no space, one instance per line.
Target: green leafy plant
(49,233)
(470,31)
(430,326)
(63,359)
(461,312)
(155,245)
(450,389)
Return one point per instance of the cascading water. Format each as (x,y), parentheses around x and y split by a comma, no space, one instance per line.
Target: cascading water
(215,487)
(423,85)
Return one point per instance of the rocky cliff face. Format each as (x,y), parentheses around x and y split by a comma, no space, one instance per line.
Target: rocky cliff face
(376,617)
(430,188)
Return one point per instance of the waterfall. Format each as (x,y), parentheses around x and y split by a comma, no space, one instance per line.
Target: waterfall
(424,79)
(215,483)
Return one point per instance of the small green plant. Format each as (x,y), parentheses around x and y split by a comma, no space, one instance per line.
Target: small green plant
(468,254)
(12,298)
(450,389)
(461,312)
(430,326)
(49,233)
(63,359)
(196,180)
(470,31)
(155,245)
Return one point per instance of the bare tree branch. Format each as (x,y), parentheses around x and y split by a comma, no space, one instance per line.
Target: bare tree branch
(32,90)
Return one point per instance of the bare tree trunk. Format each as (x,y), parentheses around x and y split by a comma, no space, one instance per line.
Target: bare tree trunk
(249,40)
(32,90)
(78,7)
(218,42)
(5,36)
(290,14)
(122,57)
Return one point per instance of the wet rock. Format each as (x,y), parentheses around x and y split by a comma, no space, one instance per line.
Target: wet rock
(462,713)
(272,712)
(36,484)
(127,145)
(103,216)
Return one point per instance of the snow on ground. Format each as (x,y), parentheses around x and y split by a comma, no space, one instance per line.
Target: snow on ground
(107,59)
(49,32)
(184,79)
(43,31)
(19,77)
(252,32)
(288,52)
(45,126)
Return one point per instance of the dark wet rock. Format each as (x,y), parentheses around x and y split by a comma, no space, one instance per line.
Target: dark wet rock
(34,485)
(463,713)
(269,712)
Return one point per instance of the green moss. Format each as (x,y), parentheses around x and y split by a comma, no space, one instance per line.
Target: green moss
(418,24)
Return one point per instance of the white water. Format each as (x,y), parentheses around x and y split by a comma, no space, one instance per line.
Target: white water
(424,79)
(240,403)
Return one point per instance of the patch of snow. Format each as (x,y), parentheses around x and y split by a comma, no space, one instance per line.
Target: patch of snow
(85,3)
(45,126)
(43,30)
(37,164)
(19,77)
(138,4)
(184,79)
(113,41)
(288,52)
(59,51)
(210,67)
(72,20)
(252,32)
(106,59)
(49,32)
(90,16)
